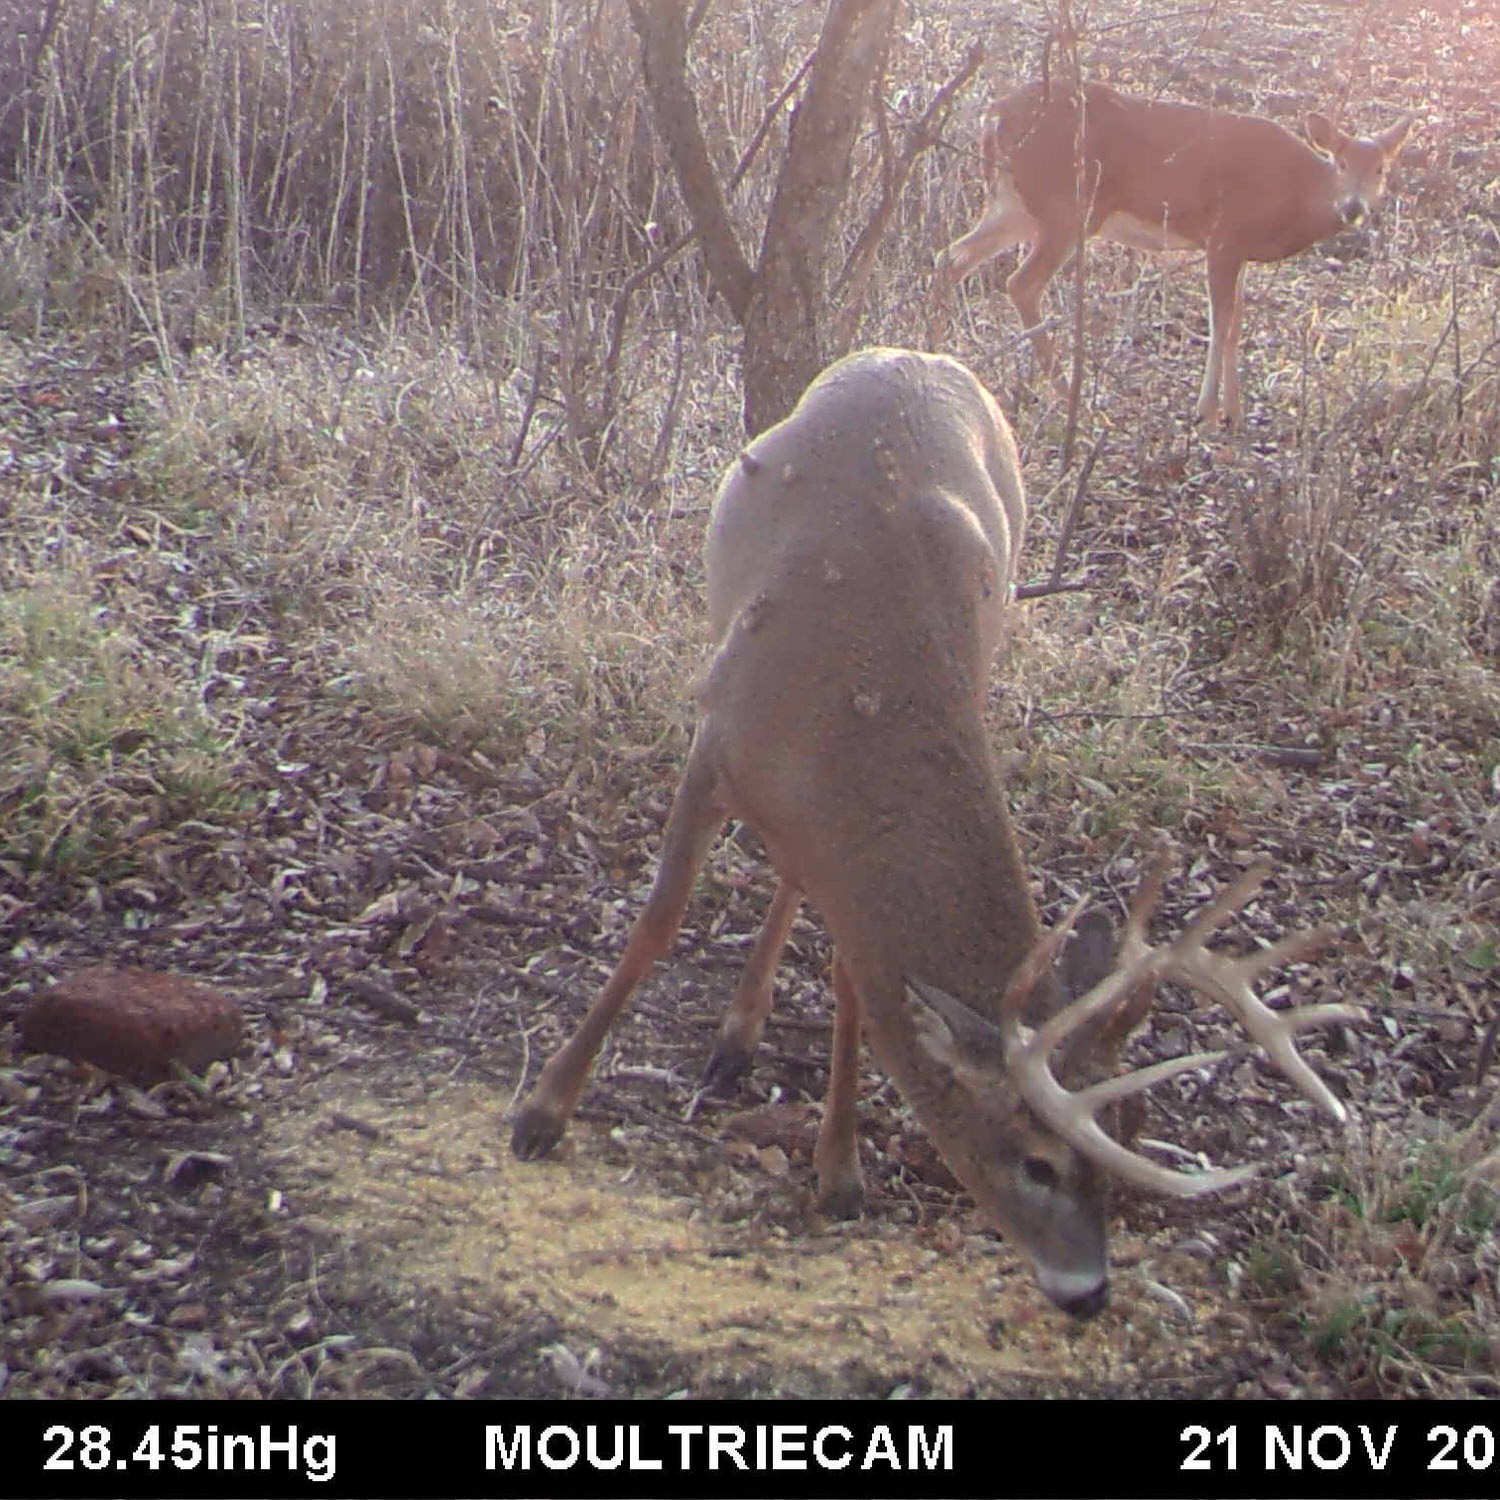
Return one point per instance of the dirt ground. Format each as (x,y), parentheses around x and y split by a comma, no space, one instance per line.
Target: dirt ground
(343,1217)
(362,1228)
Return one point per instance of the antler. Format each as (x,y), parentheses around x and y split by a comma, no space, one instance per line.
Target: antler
(1188,960)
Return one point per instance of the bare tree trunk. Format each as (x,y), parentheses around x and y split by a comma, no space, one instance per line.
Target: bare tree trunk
(782,302)
(662,28)
(787,336)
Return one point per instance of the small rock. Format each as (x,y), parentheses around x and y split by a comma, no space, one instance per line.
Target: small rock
(134,1022)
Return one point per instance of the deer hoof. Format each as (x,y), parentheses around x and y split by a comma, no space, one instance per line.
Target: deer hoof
(845,1201)
(728,1064)
(534,1134)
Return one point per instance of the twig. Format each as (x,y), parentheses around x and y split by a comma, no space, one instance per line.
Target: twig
(767,119)
(1486,1049)
(382,1000)
(1041,590)
(1068,39)
(852,283)
(533,396)
(1306,757)
(1080,490)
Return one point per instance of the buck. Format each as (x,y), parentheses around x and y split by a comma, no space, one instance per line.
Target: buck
(1061,166)
(860,563)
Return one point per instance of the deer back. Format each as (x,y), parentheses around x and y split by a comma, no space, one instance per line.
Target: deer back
(859,561)
(1160,174)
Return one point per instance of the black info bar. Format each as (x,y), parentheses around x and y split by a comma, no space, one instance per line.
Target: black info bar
(776,1450)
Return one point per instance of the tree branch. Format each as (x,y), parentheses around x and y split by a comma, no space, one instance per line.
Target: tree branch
(662,29)
(853,281)
(786,336)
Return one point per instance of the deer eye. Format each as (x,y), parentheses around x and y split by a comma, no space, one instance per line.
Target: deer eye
(1040,1172)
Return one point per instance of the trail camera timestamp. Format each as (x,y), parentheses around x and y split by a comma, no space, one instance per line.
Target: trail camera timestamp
(1338,1448)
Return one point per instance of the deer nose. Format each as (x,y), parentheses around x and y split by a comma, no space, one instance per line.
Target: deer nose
(1079,1296)
(1089,1305)
(1352,210)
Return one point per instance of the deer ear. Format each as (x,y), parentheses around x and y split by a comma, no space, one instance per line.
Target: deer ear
(1321,132)
(1089,954)
(949,1031)
(1391,140)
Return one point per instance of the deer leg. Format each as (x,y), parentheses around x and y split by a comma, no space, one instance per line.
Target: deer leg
(1049,253)
(745,1019)
(1002,225)
(1233,413)
(841,1189)
(1221,376)
(695,821)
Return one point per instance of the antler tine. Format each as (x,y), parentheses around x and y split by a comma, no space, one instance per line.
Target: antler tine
(1132,969)
(1294,945)
(1230,982)
(1039,961)
(1147,896)
(1234,897)
(1075,1117)
(1188,959)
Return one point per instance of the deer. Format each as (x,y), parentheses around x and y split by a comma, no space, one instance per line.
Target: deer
(861,557)
(1065,165)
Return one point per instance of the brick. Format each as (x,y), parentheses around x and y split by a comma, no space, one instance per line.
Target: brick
(134,1022)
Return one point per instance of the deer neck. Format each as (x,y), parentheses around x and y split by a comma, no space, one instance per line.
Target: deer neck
(941,896)
(1313,209)
(1322,208)
(919,874)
